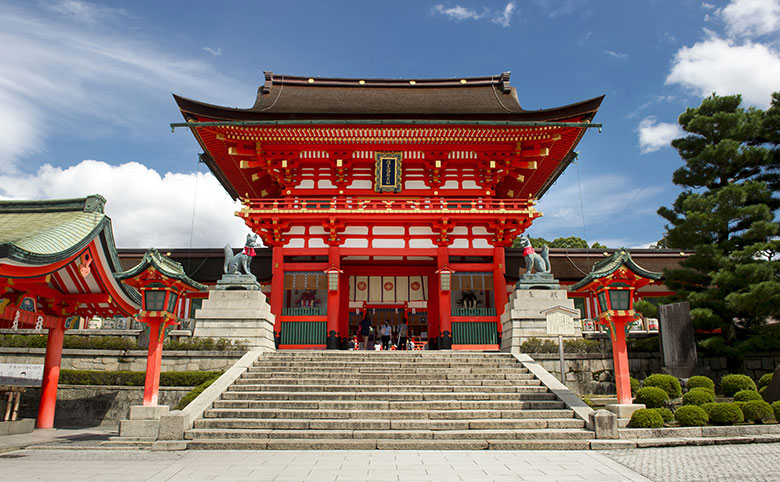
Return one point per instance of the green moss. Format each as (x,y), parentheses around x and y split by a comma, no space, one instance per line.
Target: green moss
(665,382)
(731,384)
(698,396)
(651,397)
(646,418)
(701,382)
(691,416)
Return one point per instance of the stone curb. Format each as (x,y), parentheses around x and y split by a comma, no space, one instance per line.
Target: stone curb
(700,432)
(568,397)
(173,425)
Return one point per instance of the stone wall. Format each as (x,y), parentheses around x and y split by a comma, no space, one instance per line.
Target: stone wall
(131,360)
(80,406)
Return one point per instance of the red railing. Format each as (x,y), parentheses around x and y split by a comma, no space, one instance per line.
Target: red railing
(405,205)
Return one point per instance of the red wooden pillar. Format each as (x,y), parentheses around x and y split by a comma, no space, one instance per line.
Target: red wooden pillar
(499,284)
(277,290)
(445,303)
(51,376)
(153,360)
(332,330)
(344,333)
(620,360)
(433,311)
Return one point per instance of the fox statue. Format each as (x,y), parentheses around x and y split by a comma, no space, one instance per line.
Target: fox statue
(240,262)
(540,264)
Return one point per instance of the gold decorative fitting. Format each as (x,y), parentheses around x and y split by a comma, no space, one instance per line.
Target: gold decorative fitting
(435,193)
(487,192)
(311,81)
(462,81)
(361,82)
(411,82)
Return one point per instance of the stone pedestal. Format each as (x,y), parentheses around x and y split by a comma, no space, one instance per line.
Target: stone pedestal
(623,411)
(143,422)
(238,281)
(238,315)
(526,315)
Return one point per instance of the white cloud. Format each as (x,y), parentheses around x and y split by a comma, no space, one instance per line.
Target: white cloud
(615,55)
(721,66)
(748,18)
(654,135)
(84,11)
(70,74)
(213,51)
(457,12)
(504,18)
(146,209)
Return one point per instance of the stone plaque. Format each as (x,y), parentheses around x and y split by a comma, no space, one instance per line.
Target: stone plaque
(678,346)
(21,374)
(560,322)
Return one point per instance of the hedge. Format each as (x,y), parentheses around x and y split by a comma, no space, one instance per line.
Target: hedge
(83,342)
(726,414)
(747,396)
(699,381)
(757,411)
(651,397)
(193,394)
(646,418)
(731,384)
(691,416)
(134,379)
(665,414)
(667,383)
(698,396)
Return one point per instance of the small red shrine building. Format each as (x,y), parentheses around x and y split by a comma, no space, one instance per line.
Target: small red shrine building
(394,197)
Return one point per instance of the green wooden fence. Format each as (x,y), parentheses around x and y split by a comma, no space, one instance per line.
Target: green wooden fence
(474,312)
(474,333)
(316,311)
(303,332)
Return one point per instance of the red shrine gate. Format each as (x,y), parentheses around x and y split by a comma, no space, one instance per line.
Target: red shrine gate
(387,194)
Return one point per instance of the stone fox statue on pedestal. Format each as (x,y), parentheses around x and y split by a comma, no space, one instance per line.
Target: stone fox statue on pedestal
(240,261)
(540,264)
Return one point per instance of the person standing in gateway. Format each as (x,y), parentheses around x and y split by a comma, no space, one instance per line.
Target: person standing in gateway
(365,330)
(387,332)
(403,334)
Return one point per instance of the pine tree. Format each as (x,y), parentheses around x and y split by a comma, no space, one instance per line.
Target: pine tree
(726,213)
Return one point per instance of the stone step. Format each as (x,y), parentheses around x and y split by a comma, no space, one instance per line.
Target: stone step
(390,365)
(398,377)
(355,424)
(387,414)
(385,444)
(365,379)
(532,393)
(498,434)
(386,388)
(364,405)
(309,369)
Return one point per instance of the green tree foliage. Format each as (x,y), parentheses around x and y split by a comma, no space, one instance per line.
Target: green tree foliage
(570,242)
(726,213)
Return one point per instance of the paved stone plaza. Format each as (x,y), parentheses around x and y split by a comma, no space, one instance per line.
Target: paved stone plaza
(755,462)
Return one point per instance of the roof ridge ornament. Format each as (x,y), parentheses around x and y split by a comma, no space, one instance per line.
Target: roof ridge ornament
(94,203)
(505,87)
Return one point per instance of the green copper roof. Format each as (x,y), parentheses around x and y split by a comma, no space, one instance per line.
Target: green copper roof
(163,264)
(40,232)
(607,266)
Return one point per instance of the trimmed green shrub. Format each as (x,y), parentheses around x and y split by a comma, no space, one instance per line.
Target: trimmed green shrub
(652,397)
(646,418)
(707,407)
(747,396)
(193,394)
(740,405)
(731,384)
(726,414)
(764,381)
(537,345)
(134,379)
(205,344)
(776,409)
(665,413)
(757,411)
(698,396)
(699,381)
(761,391)
(581,346)
(634,384)
(691,416)
(667,383)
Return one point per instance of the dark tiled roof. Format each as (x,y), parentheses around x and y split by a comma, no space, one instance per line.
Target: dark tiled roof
(163,264)
(472,98)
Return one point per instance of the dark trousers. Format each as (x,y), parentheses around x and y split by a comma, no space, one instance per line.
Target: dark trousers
(385,342)
(402,342)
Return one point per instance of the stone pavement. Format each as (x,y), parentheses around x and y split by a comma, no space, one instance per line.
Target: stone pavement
(749,462)
(310,465)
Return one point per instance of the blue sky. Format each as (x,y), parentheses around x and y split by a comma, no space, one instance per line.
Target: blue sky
(85,92)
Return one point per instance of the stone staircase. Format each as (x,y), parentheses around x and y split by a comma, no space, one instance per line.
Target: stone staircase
(388,400)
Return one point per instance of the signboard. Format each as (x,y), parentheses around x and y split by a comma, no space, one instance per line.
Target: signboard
(21,374)
(387,172)
(560,323)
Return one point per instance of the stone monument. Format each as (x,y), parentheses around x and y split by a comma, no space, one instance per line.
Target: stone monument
(237,309)
(537,303)
(678,346)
